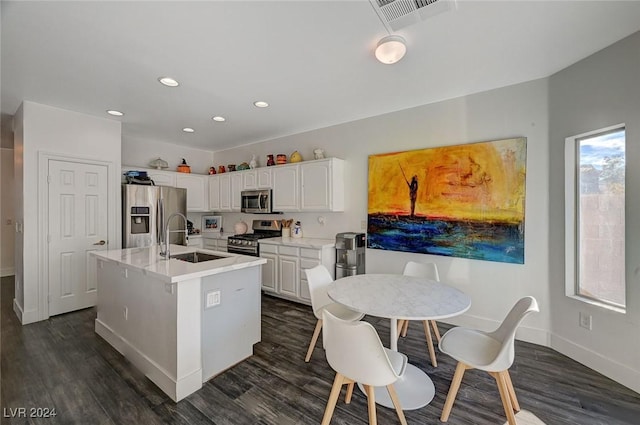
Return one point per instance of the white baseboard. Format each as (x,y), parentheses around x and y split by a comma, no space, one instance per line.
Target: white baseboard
(25,317)
(177,389)
(17,308)
(7,271)
(619,372)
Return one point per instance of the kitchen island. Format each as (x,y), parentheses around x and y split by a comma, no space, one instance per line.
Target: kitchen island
(180,323)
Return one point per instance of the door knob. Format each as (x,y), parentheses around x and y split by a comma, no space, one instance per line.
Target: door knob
(100,243)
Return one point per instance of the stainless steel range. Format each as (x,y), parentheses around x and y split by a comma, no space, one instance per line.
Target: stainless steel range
(247,244)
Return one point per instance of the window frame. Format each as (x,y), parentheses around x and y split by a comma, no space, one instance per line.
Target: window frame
(572,209)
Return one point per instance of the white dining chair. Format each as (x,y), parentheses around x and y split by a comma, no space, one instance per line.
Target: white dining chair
(355,352)
(492,352)
(427,271)
(319,279)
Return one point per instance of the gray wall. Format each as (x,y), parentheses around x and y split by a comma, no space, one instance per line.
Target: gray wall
(515,111)
(599,91)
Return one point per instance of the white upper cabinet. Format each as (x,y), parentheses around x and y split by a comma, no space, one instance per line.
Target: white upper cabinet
(249,179)
(309,186)
(236,188)
(214,193)
(159,177)
(225,192)
(264,177)
(162,178)
(322,185)
(259,178)
(197,192)
(286,188)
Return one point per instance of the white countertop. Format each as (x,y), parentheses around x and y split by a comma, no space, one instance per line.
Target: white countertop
(150,262)
(210,235)
(300,242)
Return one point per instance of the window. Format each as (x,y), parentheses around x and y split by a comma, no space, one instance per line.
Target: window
(595,217)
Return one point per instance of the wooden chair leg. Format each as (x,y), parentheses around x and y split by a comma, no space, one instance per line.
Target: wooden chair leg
(432,351)
(333,399)
(453,391)
(512,391)
(504,396)
(436,331)
(347,398)
(400,326)
(371,402)
(405,328)
(314,339)
(396,403)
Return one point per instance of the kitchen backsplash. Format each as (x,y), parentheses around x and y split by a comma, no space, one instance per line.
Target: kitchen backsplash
(310,222)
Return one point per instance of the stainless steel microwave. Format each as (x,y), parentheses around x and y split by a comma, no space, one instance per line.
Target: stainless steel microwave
(256,201)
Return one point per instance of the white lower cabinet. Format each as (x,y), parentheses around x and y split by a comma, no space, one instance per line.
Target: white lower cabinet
(215,244)
(270,272)
(283,275)
(195,241)
(289,270)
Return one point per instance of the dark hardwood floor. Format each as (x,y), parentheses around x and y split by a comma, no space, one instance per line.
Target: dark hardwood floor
(61,363)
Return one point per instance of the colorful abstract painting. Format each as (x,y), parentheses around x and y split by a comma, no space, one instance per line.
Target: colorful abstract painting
(461,201)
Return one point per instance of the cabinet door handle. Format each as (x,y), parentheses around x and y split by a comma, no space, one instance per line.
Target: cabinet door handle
(100,243)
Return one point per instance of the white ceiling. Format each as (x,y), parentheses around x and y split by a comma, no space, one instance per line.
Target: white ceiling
(311,60)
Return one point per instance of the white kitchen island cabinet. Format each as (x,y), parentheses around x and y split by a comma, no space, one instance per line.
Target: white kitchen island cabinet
(179,323)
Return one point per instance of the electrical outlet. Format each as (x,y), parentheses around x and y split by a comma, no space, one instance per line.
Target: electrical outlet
(585,321)
(363,225)
(125,313)
(213,298)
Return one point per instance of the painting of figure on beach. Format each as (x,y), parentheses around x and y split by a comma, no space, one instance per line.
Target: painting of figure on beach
(460,201)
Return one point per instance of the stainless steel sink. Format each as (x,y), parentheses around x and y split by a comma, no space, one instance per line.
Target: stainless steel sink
(197,257)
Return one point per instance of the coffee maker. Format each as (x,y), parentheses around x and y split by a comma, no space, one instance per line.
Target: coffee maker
(350,254)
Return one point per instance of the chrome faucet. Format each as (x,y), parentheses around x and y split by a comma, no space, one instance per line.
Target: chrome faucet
(167,232)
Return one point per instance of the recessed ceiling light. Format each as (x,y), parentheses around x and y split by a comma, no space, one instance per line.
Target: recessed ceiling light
(115,113)
(218,118)
(188,130)
(260,104)
(168,81)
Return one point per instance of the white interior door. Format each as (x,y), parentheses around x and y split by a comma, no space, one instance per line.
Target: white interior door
(77,224)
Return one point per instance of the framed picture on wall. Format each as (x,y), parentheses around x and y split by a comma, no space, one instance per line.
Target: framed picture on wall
(462,201)
(211,223)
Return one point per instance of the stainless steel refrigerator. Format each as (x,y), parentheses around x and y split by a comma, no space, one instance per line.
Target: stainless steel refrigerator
(145,209)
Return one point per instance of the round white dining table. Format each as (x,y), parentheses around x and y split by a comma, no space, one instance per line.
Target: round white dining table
(395,296)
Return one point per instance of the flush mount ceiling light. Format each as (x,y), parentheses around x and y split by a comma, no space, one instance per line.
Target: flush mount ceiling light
(168,81)
(391,49)
(115,113)
(260,104)
(218,118)
(188,130)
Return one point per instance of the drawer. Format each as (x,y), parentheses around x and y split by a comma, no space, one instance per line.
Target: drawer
(222,244)
(288,250)
(269,248)
(307,264)
(310,253)
(197,242)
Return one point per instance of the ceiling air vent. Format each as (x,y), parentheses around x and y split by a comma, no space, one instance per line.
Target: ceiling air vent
(396,14)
